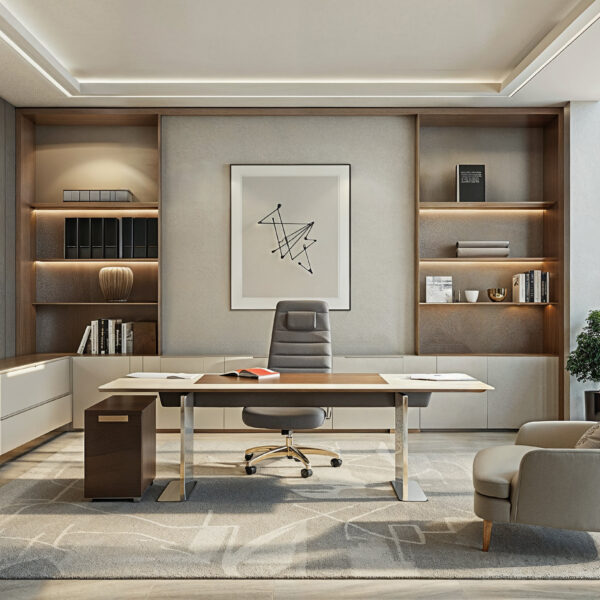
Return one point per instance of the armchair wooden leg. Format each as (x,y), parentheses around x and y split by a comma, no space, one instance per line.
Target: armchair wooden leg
(487,535)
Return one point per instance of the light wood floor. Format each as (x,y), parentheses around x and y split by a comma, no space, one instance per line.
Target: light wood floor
(300,589)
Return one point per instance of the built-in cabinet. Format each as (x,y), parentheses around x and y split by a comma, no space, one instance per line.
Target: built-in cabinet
(34,400)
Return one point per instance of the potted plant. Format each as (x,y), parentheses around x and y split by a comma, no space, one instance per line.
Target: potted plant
(584,362)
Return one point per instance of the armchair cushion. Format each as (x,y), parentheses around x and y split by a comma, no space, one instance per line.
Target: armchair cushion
(495,467)
(590,439)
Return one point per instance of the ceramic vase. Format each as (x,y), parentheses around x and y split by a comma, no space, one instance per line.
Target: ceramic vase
(116,283)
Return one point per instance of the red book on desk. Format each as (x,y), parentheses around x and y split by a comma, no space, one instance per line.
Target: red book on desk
(253,373)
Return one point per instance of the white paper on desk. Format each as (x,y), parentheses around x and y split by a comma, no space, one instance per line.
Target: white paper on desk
(443,377)
(164,375)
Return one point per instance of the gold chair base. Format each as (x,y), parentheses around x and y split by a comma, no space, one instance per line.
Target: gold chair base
(289,450)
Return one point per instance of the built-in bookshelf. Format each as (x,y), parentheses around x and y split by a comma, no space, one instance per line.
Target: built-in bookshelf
(69,150)
(523,154)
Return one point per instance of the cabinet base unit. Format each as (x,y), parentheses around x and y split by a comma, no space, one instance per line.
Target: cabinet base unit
(120,447)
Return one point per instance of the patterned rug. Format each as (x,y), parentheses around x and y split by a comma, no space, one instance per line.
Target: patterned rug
(340,523)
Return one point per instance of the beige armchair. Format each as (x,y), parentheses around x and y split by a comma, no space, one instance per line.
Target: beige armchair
(540,480)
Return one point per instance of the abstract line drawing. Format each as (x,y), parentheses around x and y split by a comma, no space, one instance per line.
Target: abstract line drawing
(292,244)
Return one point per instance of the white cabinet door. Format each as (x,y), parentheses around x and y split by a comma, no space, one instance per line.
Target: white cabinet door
(23,388)
(89,372)
(458,411)
(525,390)
(370,418)
(204,418)
(30,424)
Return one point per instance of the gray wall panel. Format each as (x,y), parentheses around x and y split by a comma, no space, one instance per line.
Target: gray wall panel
(196,155)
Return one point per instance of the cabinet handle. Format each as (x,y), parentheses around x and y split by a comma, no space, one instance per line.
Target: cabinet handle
(113,418)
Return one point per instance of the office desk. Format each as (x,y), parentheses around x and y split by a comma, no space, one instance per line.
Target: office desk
(294,389)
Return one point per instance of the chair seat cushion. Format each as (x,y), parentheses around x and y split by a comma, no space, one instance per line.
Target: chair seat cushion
(303,417)
(495,467)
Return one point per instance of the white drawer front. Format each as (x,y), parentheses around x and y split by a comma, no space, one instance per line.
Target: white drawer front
(23,388)
(30,424)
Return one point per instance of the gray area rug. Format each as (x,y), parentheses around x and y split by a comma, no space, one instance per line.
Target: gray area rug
(341,523)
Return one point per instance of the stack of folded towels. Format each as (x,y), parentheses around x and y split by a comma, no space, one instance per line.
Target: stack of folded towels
(478,249)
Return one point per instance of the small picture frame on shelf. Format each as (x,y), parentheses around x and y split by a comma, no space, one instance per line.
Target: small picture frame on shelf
(438,289)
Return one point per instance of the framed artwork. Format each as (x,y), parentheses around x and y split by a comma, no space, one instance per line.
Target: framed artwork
(290,235)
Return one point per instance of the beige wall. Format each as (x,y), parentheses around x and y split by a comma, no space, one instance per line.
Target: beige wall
(7,229)
(584,216)
(196,154)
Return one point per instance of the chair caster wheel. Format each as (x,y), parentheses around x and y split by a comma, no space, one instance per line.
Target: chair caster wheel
(248,456)
(306,473)
(250,470)
(336,462)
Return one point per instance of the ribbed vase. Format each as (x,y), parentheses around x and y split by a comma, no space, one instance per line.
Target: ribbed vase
(116,283)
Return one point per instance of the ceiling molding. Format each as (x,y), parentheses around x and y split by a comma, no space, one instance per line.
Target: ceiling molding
(576,23)
(22,41)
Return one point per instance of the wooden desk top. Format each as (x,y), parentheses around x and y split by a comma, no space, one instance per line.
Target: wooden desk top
(296,382)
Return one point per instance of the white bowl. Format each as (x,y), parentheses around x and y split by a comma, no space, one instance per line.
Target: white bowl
(471,295)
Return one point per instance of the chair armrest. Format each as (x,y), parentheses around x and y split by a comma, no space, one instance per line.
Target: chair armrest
(552,434)
(558,488)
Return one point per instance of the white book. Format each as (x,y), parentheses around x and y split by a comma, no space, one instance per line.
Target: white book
(84,339)
(482,252)
(518,287)
(94,334)
(143,375)
(443,377)
(126,338)
(112,342)
(537,286)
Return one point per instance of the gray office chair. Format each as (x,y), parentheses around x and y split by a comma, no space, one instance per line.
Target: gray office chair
(300,342)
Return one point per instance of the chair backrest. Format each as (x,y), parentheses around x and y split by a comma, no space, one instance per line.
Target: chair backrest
(301,338)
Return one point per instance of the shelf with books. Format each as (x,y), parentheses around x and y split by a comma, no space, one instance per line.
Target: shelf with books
(120,304)
(491,259)
(97,206)
(521,158)
(485,206)
(488,304)
(58,296)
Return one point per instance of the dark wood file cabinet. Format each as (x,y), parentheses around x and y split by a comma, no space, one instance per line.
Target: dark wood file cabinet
(120,447)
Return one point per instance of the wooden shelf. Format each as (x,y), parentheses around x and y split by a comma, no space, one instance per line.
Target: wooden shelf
(95,304)
(94,260)
(485,205)
(495,304)
(78,206)
(487,259)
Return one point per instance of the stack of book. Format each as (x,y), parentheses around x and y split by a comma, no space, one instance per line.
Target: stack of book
(482,249)
(113,336)
(533,286)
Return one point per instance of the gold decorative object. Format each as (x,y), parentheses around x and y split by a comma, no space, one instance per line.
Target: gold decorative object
(497,294)
(116,283)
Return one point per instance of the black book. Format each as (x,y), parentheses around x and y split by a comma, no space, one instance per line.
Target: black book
(103,336)
(127,237)
(71,238)
(470,183)
(83,238)
(152,237)
(97,238)
(531,278)
(111,238)
(139,237)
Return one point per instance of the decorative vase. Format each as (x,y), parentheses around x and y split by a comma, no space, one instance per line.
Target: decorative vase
(471,295)
(116,283)
(497,294)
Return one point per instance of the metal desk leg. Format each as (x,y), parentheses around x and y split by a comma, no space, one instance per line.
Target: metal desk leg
(407,490)
(180,489)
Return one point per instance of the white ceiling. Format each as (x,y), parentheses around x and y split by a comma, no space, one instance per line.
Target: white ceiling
(299,52)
